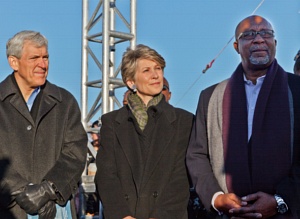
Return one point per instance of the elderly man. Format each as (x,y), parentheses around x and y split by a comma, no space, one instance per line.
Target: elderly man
(244,152)
(43,143)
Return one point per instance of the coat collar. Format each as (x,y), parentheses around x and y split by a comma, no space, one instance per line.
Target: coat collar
(9,87)
(163,107)
(51,94)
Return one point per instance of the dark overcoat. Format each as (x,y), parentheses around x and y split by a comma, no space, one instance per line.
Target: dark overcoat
(204,167)
(154,185)
(53,147)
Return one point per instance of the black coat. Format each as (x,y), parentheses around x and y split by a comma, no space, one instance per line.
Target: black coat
(154,187)
(53,147)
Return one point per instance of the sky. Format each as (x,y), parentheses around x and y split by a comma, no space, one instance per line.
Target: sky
(188,34)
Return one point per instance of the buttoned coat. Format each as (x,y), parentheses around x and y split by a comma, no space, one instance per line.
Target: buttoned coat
(154,187)
(53,147)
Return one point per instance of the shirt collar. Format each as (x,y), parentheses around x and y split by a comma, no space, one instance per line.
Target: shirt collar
(32,97)
(261,78)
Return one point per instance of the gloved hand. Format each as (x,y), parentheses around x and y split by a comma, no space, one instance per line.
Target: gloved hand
(13,197)
(48,211)
(35,196)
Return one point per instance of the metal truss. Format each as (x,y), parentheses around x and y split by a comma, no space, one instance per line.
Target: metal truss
(107,30)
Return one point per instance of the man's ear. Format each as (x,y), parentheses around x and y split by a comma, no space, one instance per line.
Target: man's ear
(13,62)
(236,46)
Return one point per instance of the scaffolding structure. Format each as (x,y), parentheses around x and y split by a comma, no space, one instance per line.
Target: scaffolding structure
(105,28)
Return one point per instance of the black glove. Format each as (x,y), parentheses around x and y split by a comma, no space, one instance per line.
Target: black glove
(35,196)
(48,211)
(12,198)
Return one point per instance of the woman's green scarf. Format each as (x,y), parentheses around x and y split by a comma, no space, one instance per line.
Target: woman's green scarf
(139,108)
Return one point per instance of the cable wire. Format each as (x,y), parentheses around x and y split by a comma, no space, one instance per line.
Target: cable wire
(209,65)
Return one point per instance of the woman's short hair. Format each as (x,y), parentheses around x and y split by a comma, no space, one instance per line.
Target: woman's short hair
(131,56)
(14,46)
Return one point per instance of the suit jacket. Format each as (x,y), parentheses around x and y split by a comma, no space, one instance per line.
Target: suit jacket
(51,147)
(205,160)
(154,187)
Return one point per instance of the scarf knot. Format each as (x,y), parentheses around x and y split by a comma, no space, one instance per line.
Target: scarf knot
(139,108)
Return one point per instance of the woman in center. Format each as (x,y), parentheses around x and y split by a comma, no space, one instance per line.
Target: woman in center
(141,170)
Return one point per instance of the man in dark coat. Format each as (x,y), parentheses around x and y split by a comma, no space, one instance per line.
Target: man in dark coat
(244,151)
(43,143)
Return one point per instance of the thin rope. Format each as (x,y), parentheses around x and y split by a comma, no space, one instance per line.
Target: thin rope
(188,89)
(209,65)
(258,7)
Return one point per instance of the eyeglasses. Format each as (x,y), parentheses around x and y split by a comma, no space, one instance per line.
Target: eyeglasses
(251,34)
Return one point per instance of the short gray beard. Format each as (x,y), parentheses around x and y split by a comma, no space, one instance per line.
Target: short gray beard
(260,60)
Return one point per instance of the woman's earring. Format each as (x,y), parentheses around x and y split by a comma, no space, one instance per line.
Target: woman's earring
(133,88)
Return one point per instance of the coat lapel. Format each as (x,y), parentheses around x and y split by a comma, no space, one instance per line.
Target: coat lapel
(129,141)
(50,91)
(46,105)
(18,103)
(9,88)
(51,95)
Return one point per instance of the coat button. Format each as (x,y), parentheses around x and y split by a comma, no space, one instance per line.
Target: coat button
(126,197)
(29,128)
(155,194)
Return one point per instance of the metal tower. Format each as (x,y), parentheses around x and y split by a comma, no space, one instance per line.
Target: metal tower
(106,30)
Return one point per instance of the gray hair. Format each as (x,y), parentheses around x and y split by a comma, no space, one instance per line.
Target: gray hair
(14,46)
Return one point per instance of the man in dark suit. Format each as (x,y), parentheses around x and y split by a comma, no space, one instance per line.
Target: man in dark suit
(244,150)
(42,138)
